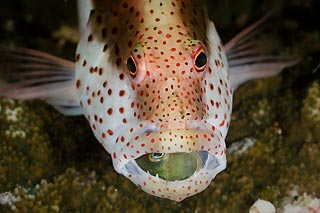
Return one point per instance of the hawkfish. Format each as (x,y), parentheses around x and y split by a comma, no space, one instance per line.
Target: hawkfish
(155,84)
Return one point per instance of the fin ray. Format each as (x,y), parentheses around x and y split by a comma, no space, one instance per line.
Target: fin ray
(248,60)
(29,74)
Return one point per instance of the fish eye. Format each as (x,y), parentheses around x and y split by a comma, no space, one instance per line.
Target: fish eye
(131,66)
(156,156)
(200,61)
(136,64)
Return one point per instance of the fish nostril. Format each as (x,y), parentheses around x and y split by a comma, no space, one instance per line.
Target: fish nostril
(185,115)
(149,131)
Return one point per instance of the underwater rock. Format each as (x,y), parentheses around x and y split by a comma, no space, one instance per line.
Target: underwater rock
(310,112)
(304,203)
(262,206)
(26,154)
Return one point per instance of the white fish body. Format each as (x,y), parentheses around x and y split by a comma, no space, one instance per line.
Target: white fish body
(153,81)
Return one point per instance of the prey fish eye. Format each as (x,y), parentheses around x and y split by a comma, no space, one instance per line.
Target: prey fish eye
(201,61)
(131,66)
(154,157)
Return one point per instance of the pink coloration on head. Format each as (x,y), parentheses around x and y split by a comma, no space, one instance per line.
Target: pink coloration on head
(152,78)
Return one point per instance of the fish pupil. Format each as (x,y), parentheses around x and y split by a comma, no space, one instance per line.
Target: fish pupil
(201,60)
(131,66)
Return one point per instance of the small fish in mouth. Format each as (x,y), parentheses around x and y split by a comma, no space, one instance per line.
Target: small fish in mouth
(160,164)
(155,84)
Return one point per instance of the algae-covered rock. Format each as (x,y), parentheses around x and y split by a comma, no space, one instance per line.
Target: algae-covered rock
(35,142)
(67,192)
(304,203)
(25,150)
(310,112)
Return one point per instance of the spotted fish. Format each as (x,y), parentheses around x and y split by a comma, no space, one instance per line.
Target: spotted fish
(153,80)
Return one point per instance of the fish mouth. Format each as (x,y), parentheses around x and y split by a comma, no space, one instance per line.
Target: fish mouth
(173,166)
(173,162)
(188,165)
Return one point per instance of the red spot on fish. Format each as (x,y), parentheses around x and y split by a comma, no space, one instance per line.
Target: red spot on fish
(121,93)
(114,30)
(109,111)
(110,132)
(78,84)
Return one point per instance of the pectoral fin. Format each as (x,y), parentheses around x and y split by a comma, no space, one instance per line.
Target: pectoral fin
(30,74)
(249,59)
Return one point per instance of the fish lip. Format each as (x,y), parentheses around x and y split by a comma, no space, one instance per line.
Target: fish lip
(209,162)
(175,190)
(213,163)
(154,128)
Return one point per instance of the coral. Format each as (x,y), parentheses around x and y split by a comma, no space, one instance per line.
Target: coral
(304,203)
(310,112)
(262,206)
(25,154)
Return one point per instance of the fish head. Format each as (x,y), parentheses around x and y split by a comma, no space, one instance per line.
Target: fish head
(157,96)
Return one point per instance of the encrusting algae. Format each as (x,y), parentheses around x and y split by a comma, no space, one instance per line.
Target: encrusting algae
(25,148)
(52,163)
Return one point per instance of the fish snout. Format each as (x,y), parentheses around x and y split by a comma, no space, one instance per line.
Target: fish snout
(177,101)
